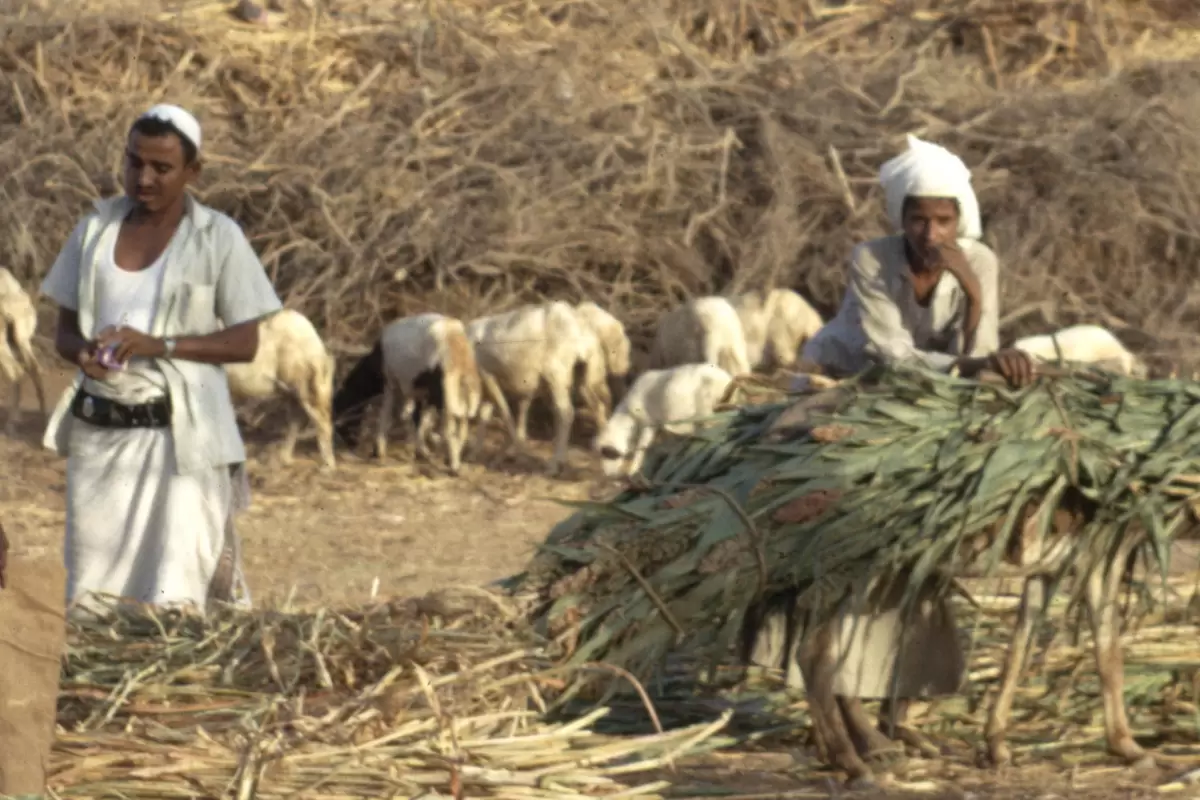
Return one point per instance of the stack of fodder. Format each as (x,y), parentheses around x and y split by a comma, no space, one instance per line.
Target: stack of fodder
(437,697)
(884,477)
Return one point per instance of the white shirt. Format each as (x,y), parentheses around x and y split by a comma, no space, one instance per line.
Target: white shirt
(125,298)
(210,276)
(880,319)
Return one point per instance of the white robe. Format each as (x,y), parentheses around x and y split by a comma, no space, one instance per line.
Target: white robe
(137,530)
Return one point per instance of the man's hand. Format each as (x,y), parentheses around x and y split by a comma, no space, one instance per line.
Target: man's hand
(1015,366)
(88,361)
(951,258)
(3,556)
(128,343)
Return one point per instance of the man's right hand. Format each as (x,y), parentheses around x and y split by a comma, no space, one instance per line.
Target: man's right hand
(90,364)
(1015,366)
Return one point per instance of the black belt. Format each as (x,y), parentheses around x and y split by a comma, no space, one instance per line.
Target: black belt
(106,413)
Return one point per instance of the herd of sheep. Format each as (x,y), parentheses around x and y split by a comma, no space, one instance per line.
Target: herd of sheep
(437,368)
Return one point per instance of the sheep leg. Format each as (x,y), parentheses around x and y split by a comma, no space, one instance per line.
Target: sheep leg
(451,440)
(523,405)
(819,668)
(287,448)
(644,438)
(387,411)
(322,420)
(495,394)
(564,418)
(34,370)
(416,432)
(1033,596)
(14,409)
(1110,665)
(486,408)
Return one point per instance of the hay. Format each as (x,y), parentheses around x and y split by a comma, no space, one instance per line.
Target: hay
(389,158)
(391,701)
(888,476)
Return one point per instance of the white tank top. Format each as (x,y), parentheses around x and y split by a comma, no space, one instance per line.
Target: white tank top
(128,299)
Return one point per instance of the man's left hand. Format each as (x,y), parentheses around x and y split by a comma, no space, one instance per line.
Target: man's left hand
(1015,366)
(130,343)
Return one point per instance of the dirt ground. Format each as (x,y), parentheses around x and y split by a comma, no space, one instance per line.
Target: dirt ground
(313,539)
(316,538)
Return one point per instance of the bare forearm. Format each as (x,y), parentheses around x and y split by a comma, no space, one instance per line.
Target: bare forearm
(233,345)
(68,341)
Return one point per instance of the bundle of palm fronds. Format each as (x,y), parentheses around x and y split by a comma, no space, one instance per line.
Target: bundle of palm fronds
(887,475)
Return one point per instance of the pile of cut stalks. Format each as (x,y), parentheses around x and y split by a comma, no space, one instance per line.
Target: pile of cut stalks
(437,697)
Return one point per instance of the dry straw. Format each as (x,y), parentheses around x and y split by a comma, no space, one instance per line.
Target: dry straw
(391,158)
(437,697)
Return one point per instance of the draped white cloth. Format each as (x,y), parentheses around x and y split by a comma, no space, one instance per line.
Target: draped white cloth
(929,170)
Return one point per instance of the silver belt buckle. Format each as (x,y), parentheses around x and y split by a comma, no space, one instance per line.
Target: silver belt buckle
(88,409)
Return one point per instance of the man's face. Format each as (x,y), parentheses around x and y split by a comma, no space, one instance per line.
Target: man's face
(155,172)
(930,223)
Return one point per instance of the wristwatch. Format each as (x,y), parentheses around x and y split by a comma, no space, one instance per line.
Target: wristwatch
(168,348)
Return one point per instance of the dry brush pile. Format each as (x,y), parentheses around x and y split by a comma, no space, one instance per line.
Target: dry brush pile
(440,697)
(399,157)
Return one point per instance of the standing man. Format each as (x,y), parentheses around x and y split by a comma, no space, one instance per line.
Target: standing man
(155,462)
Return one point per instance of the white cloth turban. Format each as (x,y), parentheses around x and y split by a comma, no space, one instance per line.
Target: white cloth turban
(930,170)
(184,122)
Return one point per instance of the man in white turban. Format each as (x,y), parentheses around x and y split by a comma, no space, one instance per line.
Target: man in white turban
(155,292)
(928,293)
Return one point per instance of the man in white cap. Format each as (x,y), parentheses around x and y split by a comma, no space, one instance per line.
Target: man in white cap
(929,293)
(156,292)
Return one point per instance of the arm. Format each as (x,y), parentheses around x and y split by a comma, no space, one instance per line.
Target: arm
(244,296)
(888,340)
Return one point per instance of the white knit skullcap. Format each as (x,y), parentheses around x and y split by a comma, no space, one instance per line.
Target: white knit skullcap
(184,122)
(930,170)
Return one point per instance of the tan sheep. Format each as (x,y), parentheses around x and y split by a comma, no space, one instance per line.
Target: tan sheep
(292,361)
(18,323)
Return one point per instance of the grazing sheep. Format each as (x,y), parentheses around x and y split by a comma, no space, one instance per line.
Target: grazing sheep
(616,348)
(1088,344)
(428,360)
(291,360)
(704,330)
(18,322)
(662,398)
(776,325)
(534,346)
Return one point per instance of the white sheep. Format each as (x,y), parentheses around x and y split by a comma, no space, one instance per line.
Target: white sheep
(776,325)
(18,323)
(1086,344)
(429,364)
(291,360)
(614,343)
(673,399)
(522,351)
(704,330)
